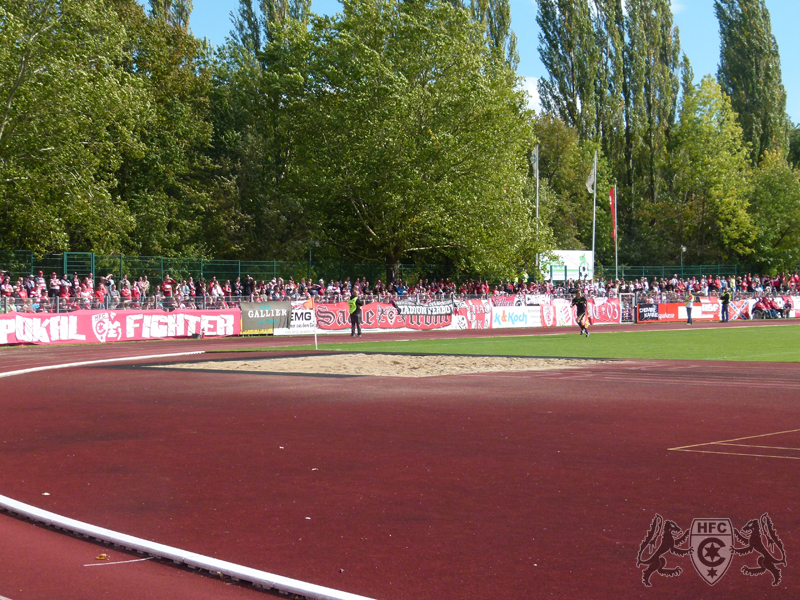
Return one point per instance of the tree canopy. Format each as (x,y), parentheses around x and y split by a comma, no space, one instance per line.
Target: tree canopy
(392,131)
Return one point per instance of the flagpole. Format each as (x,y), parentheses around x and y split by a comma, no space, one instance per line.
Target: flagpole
(535,165)
(616,235)
(537,189)
(594,214)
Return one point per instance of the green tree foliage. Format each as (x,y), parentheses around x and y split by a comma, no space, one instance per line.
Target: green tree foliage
(652,63)
(259,87)
(794,145)
(568,49)
(393,131)
(750,73)
(174,12)
(415,139)
(167,180)
(708,211)
(67,111)
(563,167)
(775,210)
(495,15)
(614,76)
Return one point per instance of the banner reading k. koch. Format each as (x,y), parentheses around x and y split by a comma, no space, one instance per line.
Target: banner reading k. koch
(265,317)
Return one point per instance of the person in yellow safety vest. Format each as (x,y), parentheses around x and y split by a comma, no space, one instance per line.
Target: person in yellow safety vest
(355,303)
(725,299)
(689,303)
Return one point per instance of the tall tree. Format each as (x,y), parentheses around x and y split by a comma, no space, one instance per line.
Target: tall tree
(495,15)
(67,111)
(168,181)
(750,73)
(614,75)
(652,74)
(415,139)
(775,210)
(708,207)
(568,49)
(174,12)
(259,86)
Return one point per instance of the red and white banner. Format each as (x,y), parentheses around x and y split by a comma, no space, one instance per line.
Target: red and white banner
(473,314)
(605,311)
(794,302)
(100,326)
(704,309)
(561,313)
(377,315)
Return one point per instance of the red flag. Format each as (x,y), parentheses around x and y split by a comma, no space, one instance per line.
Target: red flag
(612,201)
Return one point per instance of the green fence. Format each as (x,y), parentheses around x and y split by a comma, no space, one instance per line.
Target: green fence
(24,262)
(667,271)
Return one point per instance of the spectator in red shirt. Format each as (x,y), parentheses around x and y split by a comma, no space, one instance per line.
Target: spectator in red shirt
(167,291)
(100,296)
(125,295)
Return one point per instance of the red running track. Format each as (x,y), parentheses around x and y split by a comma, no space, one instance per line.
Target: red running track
(494,486)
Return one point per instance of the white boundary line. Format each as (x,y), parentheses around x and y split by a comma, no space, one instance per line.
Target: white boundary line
(87,363)
(213,565)
(191,559)
(118,562)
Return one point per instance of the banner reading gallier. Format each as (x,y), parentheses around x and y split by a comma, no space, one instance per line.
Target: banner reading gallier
(102,326)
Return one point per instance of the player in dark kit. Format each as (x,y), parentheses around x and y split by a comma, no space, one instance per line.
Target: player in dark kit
(579,302)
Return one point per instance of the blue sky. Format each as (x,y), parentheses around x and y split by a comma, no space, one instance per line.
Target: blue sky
(695,18)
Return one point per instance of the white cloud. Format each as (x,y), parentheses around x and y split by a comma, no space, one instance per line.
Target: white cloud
(528,84)
(677,7)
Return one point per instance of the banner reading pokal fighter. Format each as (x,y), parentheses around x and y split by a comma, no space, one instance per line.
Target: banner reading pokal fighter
(377,315)
(103,326)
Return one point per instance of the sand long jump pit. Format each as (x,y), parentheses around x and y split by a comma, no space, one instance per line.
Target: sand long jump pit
(384,365)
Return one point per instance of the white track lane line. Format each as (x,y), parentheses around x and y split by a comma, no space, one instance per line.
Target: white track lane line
(118,562)
(191,559)
(87,363)
(253,576)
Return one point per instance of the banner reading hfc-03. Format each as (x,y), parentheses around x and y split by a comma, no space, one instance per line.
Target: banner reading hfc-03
(265,317)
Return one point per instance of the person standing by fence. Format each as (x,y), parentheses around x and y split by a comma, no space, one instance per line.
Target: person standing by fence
(355,304)
(726,300)
(689,304)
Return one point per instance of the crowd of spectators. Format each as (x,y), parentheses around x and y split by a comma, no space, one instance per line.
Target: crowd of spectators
(70,293)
